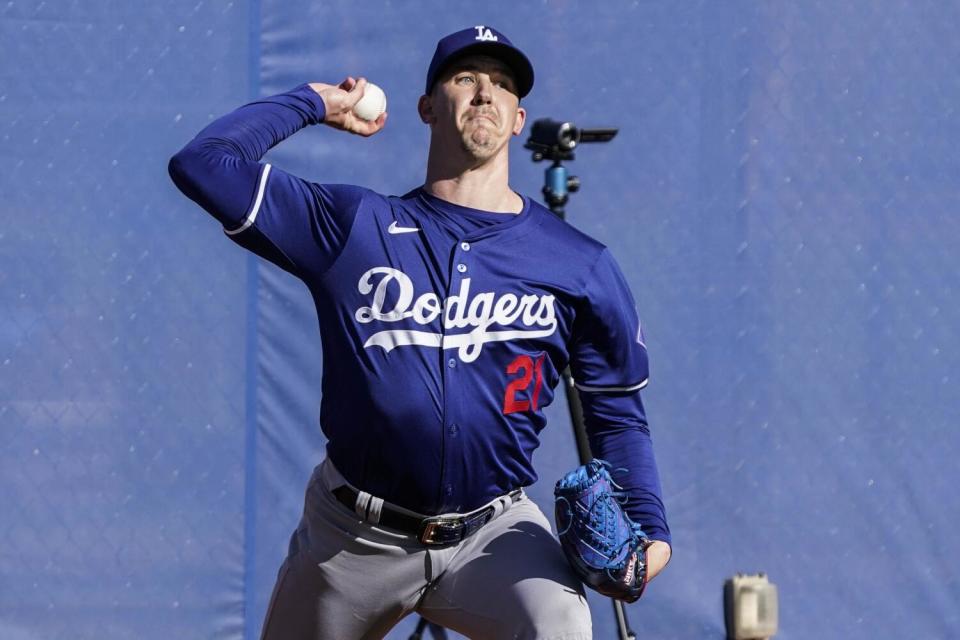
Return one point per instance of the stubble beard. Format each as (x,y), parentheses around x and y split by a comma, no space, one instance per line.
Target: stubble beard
(478,140)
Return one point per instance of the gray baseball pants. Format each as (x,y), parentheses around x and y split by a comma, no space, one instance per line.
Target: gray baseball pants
(347,579)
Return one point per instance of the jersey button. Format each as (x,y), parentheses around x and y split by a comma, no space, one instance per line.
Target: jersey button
(462,268)
(449,489)
(465,246)
(454,429)
(452,363)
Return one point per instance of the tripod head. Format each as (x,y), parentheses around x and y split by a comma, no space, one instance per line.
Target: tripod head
(555,141)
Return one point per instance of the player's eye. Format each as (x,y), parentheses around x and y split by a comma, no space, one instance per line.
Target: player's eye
(465,79)
(504,83)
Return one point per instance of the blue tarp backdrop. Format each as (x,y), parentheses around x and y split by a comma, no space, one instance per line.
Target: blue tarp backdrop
(782,197)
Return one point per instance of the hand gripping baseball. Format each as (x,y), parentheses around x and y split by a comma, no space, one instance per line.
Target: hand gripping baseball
(339,101)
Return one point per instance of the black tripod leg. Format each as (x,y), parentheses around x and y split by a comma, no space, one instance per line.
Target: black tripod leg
(436,631)
(418,632)
(624,632)
(583,451)
(576,418)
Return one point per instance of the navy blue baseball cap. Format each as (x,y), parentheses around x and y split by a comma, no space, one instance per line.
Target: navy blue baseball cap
(481,40)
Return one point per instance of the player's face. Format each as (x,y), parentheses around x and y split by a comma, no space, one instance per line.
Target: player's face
(476,101)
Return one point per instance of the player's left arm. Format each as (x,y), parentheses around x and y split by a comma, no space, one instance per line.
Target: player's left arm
(610,367)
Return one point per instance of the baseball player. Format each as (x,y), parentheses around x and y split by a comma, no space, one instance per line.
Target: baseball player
(446,316)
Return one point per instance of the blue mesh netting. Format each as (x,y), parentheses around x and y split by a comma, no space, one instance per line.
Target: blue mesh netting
(781,196)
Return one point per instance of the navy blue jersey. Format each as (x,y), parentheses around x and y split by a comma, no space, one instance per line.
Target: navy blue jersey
(444,328)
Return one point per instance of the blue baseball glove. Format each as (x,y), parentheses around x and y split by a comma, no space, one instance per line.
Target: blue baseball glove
(604,547)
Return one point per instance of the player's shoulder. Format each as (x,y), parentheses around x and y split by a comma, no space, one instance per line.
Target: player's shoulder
(564,235)
(346,197)
(352,192)
(409,199)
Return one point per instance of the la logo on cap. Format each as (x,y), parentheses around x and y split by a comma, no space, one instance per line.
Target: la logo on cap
(484,34)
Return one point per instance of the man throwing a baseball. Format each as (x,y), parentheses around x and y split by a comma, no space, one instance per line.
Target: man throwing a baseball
(446,316)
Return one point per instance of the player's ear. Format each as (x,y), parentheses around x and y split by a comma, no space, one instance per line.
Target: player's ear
(425,109)
(519,122)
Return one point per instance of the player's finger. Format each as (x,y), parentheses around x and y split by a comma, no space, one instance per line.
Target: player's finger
(356,92)
(367,128)
(348,83)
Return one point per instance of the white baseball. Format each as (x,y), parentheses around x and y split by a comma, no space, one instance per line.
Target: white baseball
(372,104)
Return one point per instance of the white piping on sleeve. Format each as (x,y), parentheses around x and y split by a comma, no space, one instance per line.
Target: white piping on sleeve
(256,204)
(635,387)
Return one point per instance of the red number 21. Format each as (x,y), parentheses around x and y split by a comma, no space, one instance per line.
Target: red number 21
(529,369)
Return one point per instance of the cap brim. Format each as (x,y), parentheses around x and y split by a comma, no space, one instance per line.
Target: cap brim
(511,56)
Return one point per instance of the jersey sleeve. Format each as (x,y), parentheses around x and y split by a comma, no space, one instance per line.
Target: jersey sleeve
(298,225)
(609,366)
(608,355)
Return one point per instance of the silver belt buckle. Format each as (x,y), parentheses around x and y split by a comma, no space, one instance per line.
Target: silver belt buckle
(440,530)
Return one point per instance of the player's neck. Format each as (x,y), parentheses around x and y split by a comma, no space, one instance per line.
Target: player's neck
(482,186)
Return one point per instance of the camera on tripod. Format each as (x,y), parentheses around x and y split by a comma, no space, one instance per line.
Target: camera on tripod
(555,141)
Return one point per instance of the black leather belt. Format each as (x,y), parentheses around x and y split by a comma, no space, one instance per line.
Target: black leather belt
(430,530)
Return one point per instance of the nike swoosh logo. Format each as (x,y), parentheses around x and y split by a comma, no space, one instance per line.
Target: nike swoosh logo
(394,229)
